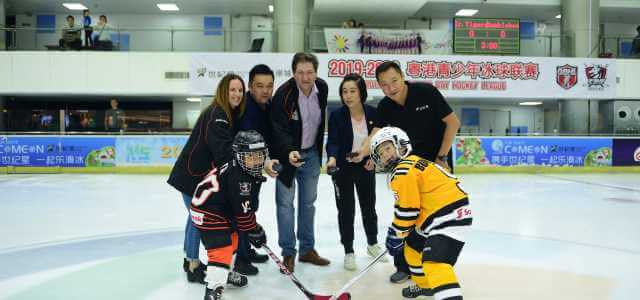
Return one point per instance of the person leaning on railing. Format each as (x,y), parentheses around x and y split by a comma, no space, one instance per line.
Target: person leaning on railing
(102,34)
(71,35)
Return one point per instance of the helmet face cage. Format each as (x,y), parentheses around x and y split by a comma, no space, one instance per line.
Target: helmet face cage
(399,139)
(254,170)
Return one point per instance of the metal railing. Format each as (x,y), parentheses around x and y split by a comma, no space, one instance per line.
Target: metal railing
(170,39)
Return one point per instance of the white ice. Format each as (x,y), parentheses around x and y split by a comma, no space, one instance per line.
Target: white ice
(66,236)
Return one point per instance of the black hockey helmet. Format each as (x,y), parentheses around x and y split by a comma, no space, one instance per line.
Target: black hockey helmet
(250,151)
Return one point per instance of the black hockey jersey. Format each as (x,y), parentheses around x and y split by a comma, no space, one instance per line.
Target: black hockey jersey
(224,200)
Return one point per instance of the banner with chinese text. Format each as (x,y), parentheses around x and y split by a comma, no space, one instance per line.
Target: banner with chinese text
(57,151)
(525,151)
(148,151)
(456,76)
(388,41)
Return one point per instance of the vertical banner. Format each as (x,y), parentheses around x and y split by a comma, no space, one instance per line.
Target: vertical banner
(507,151)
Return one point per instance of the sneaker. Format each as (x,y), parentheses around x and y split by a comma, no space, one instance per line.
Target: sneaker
(414,291)
(198,273)
(215,294)
(245,268)
(374,251)
(255,257)
(350,261)
(312,257)
(237,280)
(399,277)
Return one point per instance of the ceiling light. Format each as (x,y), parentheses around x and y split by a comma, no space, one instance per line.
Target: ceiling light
(271,8)
(559,16)
(74,6)
(531,103)
(466,12)
(168,6)
(194,99)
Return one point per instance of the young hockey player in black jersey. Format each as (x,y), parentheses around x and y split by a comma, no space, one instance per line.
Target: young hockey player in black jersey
(222,205)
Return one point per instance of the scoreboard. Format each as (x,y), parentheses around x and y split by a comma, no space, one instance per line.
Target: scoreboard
(486,36)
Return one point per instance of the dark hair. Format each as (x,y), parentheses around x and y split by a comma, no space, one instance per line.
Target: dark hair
(301,57)
(85,11)
(103,16)
(385,66)
(638,28)
(221,98)
(362,87)
(70,16)
(260,69)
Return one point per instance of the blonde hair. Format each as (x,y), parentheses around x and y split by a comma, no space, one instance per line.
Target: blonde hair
(221,98)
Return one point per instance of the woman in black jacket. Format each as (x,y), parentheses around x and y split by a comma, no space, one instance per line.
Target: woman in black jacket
(209,145)
(349,126)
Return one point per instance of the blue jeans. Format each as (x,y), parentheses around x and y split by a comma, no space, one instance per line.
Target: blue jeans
(191,233)
(306,177)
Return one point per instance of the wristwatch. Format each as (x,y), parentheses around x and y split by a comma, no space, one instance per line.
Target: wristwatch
(442,157)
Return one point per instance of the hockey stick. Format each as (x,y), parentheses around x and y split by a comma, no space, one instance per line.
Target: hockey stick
(353,280)
(309,294)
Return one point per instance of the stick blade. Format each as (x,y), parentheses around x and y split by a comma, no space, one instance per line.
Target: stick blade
(343,296)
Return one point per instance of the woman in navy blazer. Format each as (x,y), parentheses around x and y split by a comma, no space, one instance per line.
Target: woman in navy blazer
(349,126)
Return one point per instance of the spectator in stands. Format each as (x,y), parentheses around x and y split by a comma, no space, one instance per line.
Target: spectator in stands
(114,118)
(88,30)
(635,46)
(102,34)
(71,35)
(360,25)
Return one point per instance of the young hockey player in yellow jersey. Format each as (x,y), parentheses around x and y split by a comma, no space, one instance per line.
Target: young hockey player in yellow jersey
(431,215)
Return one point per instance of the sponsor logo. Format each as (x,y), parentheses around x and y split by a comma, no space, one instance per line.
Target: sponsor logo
(197,218)
(341,43)
(246,206)
(245,188)
(421,108)
(201,71)
(566,76)
(636,155)
(596,76)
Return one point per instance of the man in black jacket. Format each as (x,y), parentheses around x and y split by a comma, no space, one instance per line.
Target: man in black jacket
(298,119)
(635,45)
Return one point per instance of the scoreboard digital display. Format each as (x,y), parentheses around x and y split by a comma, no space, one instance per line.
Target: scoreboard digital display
(486,36)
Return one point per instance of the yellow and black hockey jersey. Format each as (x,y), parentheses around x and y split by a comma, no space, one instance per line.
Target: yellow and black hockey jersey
(428,199)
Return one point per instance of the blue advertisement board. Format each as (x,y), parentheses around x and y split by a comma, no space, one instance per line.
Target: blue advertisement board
(533,151)
(149,151)
(626,152)
(57,151)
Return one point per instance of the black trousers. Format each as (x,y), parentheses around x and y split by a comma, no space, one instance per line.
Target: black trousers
(365,184)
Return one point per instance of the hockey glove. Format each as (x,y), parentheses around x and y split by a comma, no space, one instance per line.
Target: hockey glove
(394,243)
(257,237)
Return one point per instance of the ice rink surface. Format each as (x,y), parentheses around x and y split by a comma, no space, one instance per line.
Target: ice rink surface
(564,236)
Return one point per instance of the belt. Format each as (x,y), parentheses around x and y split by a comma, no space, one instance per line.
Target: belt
(308,149)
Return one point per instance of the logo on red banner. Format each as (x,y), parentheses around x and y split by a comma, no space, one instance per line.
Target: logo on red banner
(566,76)
(596,76)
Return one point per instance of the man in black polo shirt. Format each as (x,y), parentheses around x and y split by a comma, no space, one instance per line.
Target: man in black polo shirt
(421,111)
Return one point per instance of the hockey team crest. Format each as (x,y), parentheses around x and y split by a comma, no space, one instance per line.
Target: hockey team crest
(566,76)
(245,188)
(596,76)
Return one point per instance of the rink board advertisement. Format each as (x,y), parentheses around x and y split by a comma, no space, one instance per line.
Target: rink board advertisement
(398,41)
(513,151)
(57,151)
(511,77)
(148,151)
(626,152)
